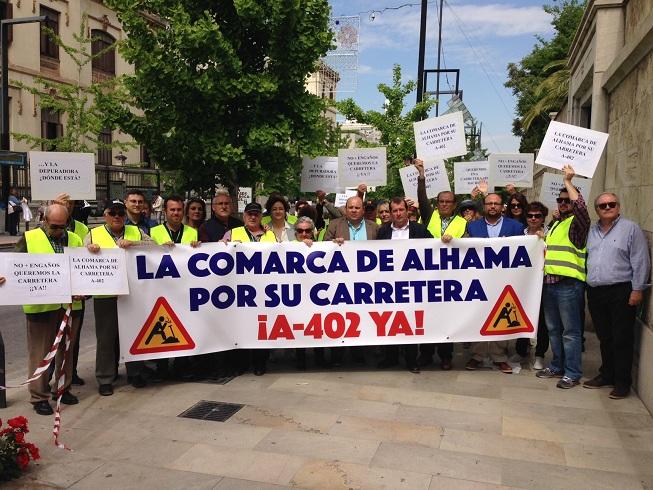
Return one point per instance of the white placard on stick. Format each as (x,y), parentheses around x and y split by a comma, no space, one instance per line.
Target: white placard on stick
(362,165)
(436,176)
(467,175)
(319,174)
(511,168)
(341,197)
(244,198)
(565,144)
(52,173)
(441,137)
(552,184)
(104,272)
(34,279)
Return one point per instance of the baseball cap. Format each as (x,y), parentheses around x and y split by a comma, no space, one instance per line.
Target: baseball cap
(468,204)
(253,207)
(114,205)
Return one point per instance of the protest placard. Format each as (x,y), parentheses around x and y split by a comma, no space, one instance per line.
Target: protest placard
(435,173)
(319,174)
(467,175)
(244,198)
(34,279)
(552,183)
(441,137)
(52,173)
(565,144)
(362,165)
(341,197)
(288,295)
(104,272)
(511,168)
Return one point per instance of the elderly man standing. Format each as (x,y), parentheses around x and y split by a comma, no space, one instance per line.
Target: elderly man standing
(443,223)
(114,233)
(43,320)
(352,226)
(563,293)
(213,229)
(618,268)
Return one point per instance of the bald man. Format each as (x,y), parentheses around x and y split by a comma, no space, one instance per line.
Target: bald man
(43,320)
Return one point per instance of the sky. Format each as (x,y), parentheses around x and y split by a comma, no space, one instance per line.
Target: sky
(478,37)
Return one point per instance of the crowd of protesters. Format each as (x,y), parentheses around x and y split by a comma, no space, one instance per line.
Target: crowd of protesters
(607,262)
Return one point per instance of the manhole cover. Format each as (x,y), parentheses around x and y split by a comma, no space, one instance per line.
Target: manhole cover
(207,410)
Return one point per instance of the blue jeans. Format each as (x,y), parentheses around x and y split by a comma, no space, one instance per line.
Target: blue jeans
(562,311)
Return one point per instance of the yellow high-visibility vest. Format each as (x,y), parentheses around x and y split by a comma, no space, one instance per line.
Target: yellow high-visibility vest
(456,227)
(38,243)
(240,235)
(562,257)
(160,235)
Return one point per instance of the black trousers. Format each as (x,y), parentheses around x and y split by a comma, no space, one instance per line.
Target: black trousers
(445,351)
(391,353)
(14,218)
(614,321)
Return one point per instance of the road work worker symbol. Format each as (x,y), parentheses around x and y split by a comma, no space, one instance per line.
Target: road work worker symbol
(507,316)
(162,332)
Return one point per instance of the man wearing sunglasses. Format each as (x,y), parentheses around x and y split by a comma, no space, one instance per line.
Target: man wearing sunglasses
(43,320)
(618,268)
(114,233)
(564,285)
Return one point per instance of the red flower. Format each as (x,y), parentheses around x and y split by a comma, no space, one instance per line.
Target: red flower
(33,451)
(20,437)
(19,422)
(22,460)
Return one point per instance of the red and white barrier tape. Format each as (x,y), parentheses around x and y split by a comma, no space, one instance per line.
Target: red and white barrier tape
(42,368)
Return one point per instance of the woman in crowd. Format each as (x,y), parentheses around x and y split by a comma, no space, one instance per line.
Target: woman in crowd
(195,212)
(277,208)
(383,213)
(517,207)
(468,210)
(536,213)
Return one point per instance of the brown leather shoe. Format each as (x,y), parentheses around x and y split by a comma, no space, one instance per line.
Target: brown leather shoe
(504,367)
(473,364)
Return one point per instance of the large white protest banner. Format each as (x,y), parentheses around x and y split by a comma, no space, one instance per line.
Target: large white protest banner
(257,295)
(565,144)
(52,173)
(244,198)
(104,272)
(510,168)
(441,137)
(362,165)
(341,197)
(552,184)
(319,174)
(34,279)
(436,178)
(467,175)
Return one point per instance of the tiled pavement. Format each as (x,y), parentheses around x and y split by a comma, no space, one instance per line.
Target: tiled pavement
(350,429)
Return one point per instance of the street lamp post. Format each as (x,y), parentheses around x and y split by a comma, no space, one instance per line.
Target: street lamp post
(4,145)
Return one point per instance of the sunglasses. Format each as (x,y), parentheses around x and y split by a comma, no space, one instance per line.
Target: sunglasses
(607,205)
(303,230)
(113,214)
(561,200)
(57,227)
(534,216)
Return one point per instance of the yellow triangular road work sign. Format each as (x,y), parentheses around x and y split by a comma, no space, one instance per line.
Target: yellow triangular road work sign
(507,316)
(162,332)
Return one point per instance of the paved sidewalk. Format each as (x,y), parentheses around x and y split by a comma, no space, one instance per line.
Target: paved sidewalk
(349,429)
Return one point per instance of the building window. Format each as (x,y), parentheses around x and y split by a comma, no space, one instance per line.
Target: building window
(106,61)
(49,48)
(51,128)
(105,155)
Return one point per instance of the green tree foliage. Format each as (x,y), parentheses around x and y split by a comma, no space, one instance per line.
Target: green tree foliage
(218,90)
(526,77)
(395,127)
(85,107)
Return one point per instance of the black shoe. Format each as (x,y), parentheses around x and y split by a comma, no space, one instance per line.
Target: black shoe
(77,381)
(43,408)
(67,398)
(105,390)
(138,381)
(414,369)
(619,393)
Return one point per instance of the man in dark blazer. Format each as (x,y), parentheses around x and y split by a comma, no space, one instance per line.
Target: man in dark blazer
(493,225)
(352,226)
(400,228)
